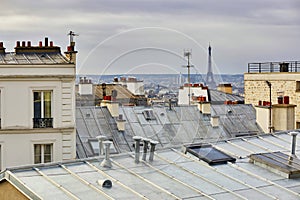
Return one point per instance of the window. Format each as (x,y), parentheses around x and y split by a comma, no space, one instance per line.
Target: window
(297,86)
(209,154)
(43,153)
(42,109)
(149,115)
(297,125)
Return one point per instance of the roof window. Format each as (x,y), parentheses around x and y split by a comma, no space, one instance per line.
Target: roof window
(149,114)
(209,154)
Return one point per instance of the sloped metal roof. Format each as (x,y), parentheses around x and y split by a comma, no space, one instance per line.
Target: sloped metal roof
(172,175)
(219,97)
(12,58)
(180,125)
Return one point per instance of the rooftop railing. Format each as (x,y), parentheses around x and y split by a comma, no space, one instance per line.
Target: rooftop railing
(286,66)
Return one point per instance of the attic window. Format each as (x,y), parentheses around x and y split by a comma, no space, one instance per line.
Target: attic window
(209,154)
(149,114)
(278,162)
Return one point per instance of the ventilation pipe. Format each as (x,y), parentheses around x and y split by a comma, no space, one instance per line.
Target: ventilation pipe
(146,142)
(152,149)
(294,137)
(101,138)
(107,162)
(137,140)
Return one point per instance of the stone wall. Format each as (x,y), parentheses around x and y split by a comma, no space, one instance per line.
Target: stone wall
(257,89)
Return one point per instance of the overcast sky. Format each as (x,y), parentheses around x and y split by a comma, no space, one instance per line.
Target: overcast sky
(149,36)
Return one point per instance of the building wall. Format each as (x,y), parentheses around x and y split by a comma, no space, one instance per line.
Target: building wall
(17,134)
(257,89)
(9,192)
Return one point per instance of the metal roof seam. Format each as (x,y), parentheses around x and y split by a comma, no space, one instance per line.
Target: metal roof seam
(145,180)
(85,182)
(115,180)
(236,166)
(223,174)
(56,184)
(201,177)
(173,178)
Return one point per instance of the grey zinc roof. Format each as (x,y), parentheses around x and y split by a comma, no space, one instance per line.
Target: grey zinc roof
(32,58)
(172,175)
(218,97)
(184,124)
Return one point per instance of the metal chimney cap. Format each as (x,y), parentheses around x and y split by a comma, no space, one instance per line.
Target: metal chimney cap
(101,137)
(107,142)
(153,142)
(146,139)
(137,138)
(293,133)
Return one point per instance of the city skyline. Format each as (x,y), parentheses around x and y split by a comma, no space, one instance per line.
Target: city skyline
(125,37)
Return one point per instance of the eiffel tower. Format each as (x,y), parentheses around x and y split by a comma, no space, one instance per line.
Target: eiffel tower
(210,82)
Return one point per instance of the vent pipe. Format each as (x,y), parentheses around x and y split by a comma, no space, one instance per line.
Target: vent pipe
(107,162)
(152,149)
(294,137)
(146,142)
(137,140)
(101,138)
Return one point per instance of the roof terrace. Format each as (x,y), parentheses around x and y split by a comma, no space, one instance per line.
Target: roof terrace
(266,67)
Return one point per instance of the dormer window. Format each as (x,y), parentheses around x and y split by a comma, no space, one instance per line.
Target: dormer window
(149,114)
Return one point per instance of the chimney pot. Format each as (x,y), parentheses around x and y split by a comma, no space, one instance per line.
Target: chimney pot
(146,142)
(152,149)
(28,43)
(18,44)
(23,44)
(1,44)
(40,44)
(51,43)
(101,139)
(107,162)
(137,140)
(46,41)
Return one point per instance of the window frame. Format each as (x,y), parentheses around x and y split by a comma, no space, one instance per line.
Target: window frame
(42,107)
(42,152)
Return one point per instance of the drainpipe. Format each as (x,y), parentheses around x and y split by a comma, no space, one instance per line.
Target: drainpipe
(137,140)
(101,138)
(270,107)
(146,142)
(152,149)
(107,162)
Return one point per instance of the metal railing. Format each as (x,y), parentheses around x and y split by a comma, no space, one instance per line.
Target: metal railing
(285,66)
(42,122)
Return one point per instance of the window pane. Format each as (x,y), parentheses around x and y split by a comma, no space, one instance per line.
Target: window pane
(47,153)
(37,104)
(37,153)
(47,104)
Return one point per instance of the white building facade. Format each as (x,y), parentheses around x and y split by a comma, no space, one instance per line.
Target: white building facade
(37,86)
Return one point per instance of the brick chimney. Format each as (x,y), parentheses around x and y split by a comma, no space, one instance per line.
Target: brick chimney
(71,53)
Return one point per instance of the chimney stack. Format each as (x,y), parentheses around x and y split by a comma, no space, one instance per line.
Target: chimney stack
(137,140)
(107,162)
(152,149)
(146,142)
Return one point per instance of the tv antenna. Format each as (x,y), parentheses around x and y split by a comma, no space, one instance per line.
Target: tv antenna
(71,34)
(188,54)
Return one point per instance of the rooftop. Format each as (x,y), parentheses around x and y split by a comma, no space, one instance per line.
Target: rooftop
(172,175)
(284,66)
(180,125)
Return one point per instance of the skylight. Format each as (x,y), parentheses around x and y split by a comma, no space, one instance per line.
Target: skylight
(95,147)
(209,154)
(279,163)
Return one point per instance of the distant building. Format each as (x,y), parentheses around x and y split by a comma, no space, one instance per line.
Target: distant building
(37,104)
(191,94)
(135,86)
(282,80)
